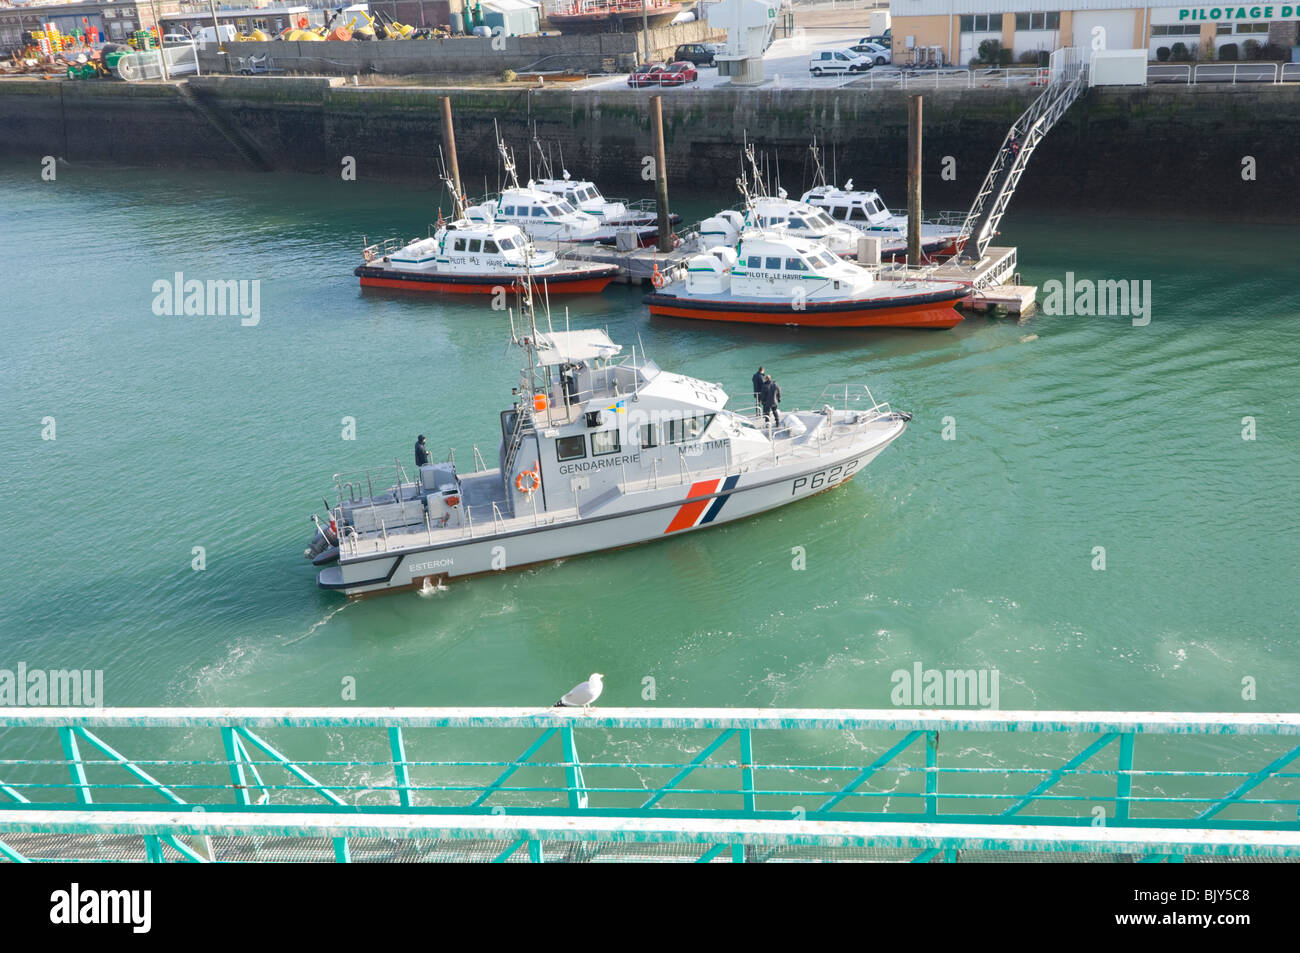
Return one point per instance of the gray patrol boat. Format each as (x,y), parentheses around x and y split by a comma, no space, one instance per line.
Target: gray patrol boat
(597,450)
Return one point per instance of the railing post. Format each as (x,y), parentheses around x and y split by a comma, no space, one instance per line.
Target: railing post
(76,767)
(1124,776)
(535,852)
(931,773)
(238,780)
(747,769)
(573,771)
(341,853)
(403,777)
(153,849)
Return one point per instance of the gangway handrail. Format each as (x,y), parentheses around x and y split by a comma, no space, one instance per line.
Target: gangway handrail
(1068,73)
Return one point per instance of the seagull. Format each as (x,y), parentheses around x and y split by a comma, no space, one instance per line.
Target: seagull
(583,693)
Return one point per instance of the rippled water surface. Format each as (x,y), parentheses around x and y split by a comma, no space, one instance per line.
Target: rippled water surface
(976,552)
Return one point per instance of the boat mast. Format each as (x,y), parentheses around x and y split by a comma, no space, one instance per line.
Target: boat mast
(507,160)
(542,157)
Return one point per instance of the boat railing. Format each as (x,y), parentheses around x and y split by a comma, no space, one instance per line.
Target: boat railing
(382,249)
(846,395)
(946,217)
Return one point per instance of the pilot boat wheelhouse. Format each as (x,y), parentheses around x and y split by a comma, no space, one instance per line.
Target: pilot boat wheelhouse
(612,215)
(475,255)
(864,210)
(596,451)
(778,215)
(771,278)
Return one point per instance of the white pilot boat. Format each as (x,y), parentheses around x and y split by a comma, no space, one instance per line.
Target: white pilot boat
(865,210)
(641,218)
(596,451)
(543,216)
(773,278)
(778,214)
(472,254)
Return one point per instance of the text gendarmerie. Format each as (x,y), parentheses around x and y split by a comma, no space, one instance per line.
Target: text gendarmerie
(582,466)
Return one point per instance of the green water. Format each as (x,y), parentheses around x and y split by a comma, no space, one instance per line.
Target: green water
(976,552)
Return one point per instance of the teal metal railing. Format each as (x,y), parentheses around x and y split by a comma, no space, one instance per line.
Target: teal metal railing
(1084,772)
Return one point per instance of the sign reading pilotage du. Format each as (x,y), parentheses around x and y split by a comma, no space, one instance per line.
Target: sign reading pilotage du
(1275,11)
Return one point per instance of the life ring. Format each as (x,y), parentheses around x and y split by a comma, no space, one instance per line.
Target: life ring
(658,278)
(534,480)
(370,255)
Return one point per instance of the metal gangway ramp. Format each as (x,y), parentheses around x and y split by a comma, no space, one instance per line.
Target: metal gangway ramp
(1067,77)
(645,784)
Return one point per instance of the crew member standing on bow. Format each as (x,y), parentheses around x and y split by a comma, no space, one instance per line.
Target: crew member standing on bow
(421,454)
(771,396)
(758,388)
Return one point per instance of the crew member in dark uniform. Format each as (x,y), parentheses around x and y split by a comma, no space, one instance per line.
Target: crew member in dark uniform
(421,454)
(771,396)
(758,387)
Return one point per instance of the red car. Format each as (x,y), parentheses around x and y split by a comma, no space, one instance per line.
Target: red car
(647,74)
(678,74)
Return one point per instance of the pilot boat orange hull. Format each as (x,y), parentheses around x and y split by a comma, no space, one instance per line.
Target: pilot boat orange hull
(587,280)
(930,310)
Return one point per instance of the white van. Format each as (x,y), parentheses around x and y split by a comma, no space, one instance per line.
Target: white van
(838,61)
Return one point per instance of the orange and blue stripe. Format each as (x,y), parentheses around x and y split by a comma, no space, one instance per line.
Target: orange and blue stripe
(698,512)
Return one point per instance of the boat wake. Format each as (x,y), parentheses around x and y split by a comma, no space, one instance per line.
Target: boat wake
(430,588)
(318,624)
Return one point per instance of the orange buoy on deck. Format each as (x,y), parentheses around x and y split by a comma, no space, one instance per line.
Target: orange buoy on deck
(539,402)
(339,33)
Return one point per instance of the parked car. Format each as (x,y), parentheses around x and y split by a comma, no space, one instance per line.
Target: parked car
(678,74)
(647,74)
(838,61)
(879,55)
(698,54)
(885,39)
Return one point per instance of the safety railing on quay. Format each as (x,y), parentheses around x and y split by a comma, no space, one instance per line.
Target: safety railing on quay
(1064,778)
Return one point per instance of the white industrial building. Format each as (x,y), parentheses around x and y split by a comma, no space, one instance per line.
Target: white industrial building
(954,29)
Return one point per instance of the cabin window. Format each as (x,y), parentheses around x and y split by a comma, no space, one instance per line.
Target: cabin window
(571,196)
(507,244)
(475,245)
(604,442)
(687,429)
(773,264)
(795,264)
(458,245)
(648,437)
(537,211)
(798,223)
(754,261)
(839,212)
(827,258)
(570,448)
(489,246)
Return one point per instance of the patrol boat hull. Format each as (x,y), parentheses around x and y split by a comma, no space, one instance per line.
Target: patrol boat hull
(691,505)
